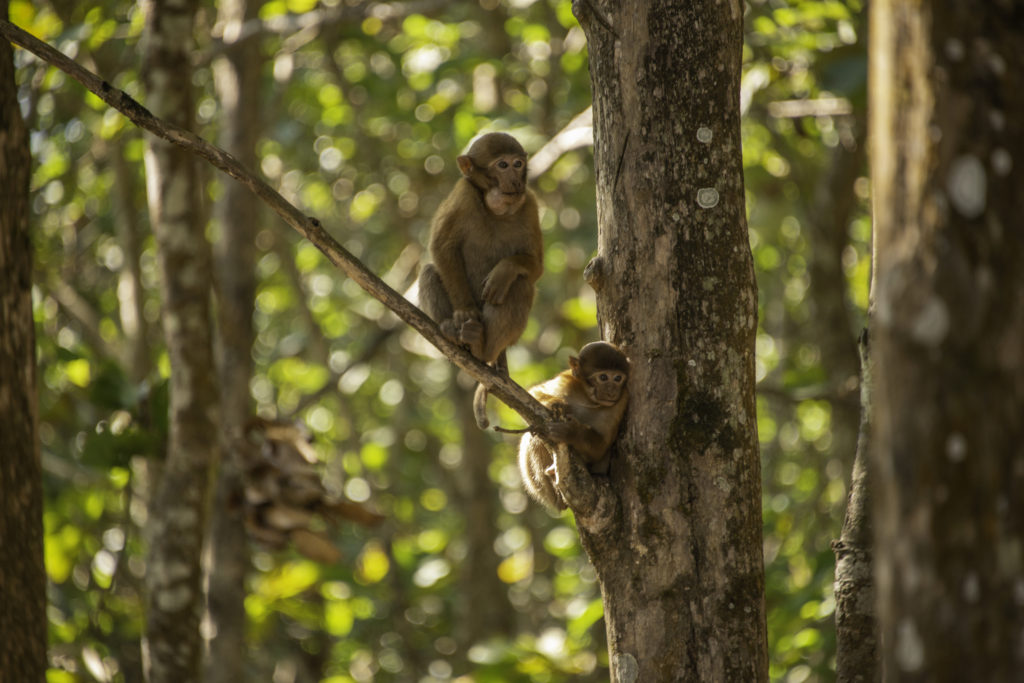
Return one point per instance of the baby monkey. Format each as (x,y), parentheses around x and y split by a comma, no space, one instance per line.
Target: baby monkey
(589,399)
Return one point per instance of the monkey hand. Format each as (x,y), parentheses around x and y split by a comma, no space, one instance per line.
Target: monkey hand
(498,281)
(563,431)
(560,411)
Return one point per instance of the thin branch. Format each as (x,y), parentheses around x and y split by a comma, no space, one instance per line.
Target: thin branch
(504,388)
(577,133)
(822,106)
(75,305)
(814,392)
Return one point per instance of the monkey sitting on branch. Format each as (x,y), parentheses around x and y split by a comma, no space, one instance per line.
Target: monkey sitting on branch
(590,399)
(487,252)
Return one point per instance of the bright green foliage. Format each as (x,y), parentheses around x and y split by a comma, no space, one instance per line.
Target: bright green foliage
(360,122)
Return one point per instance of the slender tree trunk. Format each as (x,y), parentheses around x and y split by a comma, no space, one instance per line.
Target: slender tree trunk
(856,623)
(674,533)
(22,576)
(483,609)
(172,644)
(830,213)
(236,77)
(130,292)
(947,102)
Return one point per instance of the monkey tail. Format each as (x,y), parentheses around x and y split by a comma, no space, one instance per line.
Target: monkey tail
(480,407)
(480,395)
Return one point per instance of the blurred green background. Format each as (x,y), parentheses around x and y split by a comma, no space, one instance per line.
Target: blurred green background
(363,111)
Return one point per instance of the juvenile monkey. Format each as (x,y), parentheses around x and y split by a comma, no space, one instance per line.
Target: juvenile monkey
(590,398)
(487,249)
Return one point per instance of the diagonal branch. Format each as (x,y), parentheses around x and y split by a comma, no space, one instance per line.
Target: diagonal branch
(577,133)
(503,387)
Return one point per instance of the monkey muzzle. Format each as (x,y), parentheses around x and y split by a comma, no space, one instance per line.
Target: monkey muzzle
(503,203)
(511,186)
(607,394)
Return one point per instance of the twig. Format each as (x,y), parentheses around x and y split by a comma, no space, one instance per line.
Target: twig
(310,228)
(505,430)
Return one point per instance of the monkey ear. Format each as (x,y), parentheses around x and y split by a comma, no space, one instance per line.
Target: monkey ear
(465,164)
(574,365)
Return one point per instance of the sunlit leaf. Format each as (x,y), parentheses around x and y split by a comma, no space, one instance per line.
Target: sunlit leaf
(338,618)
(373,564)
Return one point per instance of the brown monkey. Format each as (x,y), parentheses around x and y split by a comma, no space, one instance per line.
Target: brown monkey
(487,249)
(590,398)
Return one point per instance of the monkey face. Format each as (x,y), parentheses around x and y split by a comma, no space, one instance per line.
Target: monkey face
(508,173)
(496,165)
(606,386)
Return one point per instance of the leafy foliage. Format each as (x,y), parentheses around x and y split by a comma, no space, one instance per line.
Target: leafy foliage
(362,114)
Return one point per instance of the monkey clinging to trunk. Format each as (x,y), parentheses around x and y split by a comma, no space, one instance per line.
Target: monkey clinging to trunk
(488,252)
(589,400)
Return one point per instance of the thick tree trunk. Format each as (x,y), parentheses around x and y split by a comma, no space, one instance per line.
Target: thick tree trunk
(236,77)
(172,644)
(22,576)
(674,533)
(947,104)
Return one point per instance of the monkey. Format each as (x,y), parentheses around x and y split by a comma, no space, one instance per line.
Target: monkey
(487,252)
(589,399)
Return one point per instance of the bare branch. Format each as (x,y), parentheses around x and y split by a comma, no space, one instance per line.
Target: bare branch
(577,133)
(822,106)
(501,386)
(80,310)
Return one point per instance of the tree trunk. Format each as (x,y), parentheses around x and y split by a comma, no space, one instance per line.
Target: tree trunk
(236,77)
(856,623)
(483,607)
(947,104)
(172,644)
(674,533)
(130,292)
(22,575)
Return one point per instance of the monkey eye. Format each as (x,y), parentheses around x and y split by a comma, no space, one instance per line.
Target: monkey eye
(618,378)
(603,376)
(502,164)
(519,163)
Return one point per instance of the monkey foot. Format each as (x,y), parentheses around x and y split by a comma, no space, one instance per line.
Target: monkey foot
(471,332)
(449,330)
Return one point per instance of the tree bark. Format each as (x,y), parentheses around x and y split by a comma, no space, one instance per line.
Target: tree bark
(674,533)
(236,78)
(172,645)
(947,102)
(22,575)
(856,622)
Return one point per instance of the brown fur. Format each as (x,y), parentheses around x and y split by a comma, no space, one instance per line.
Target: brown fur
(485,264)
(488,252)
(590,404)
